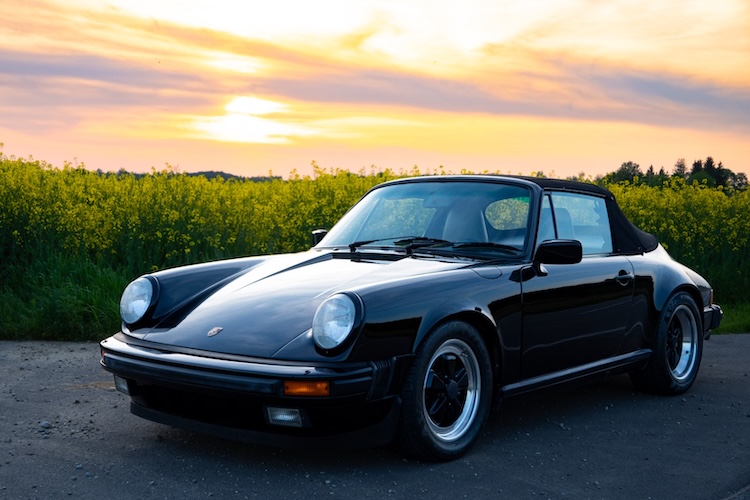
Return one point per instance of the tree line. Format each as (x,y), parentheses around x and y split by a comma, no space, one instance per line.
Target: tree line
(706,172)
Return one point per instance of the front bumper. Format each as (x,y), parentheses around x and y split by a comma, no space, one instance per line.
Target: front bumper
(230,396)
(712,315)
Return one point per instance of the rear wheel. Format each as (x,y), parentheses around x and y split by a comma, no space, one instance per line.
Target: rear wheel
(678,349)
(446,395)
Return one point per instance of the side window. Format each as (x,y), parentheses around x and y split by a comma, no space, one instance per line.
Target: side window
(583,218)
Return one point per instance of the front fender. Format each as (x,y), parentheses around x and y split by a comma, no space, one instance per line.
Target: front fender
(399,317)
(180,287)
(453,308)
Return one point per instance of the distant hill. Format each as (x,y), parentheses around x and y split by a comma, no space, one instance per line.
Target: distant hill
(208,174)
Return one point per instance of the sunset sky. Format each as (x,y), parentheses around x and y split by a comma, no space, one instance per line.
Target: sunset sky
(248,87)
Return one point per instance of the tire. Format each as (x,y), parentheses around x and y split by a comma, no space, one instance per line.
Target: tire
(446,395)
(678,349)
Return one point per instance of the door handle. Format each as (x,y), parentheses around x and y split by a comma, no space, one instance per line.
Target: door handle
(624,278)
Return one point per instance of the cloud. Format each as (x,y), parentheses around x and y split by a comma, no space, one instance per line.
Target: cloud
(671,100)
(24,67)
(579,92)
(61,61)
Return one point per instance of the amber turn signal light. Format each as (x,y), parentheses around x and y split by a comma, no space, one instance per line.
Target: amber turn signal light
(305,388)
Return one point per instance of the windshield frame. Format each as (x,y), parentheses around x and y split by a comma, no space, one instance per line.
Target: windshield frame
(446,191)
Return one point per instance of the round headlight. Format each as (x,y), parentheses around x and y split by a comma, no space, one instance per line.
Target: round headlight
(333,321)
(136,299)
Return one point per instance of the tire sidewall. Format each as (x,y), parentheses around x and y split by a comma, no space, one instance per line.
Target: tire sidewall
(667,383)
(415,435)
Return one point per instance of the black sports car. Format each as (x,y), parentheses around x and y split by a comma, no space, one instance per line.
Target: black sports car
(428,300)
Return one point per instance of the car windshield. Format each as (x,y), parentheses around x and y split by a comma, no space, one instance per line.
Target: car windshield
(456,216)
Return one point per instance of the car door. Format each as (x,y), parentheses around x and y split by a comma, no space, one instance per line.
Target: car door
(577,313)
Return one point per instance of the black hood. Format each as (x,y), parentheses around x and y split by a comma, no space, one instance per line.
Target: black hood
(264,309)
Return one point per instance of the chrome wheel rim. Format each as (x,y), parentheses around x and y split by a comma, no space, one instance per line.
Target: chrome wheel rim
(451,390)
(682,342)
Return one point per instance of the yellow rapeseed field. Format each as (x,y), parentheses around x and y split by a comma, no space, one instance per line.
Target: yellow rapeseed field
(67,224)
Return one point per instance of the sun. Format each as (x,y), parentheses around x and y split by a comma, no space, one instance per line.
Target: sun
(245,120)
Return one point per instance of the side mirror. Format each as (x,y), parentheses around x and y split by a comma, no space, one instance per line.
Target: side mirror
(318,235)
(557,252)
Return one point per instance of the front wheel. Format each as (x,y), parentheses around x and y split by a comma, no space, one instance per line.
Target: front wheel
(678,348)
(447,394)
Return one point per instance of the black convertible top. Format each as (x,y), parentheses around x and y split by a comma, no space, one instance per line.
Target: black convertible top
(561,185)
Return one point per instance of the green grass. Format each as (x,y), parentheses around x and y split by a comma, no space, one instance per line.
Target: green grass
(736,318)
(59,298)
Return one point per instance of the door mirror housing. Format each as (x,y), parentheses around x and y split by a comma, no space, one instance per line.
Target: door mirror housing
(557,252)
(318,235)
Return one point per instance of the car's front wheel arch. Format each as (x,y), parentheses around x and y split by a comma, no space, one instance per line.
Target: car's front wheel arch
(484,326)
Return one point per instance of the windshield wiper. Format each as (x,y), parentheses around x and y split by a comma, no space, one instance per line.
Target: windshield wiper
(420,242)
(487,244)
(411,243)
(354,246)
(407,242)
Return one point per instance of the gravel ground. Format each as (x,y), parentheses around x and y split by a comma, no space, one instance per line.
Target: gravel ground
(66,433)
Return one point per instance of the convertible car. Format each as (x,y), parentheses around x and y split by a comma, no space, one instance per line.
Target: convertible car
(430,299)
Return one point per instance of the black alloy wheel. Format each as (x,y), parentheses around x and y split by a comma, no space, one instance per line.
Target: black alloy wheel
(447,394)
(678,347)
